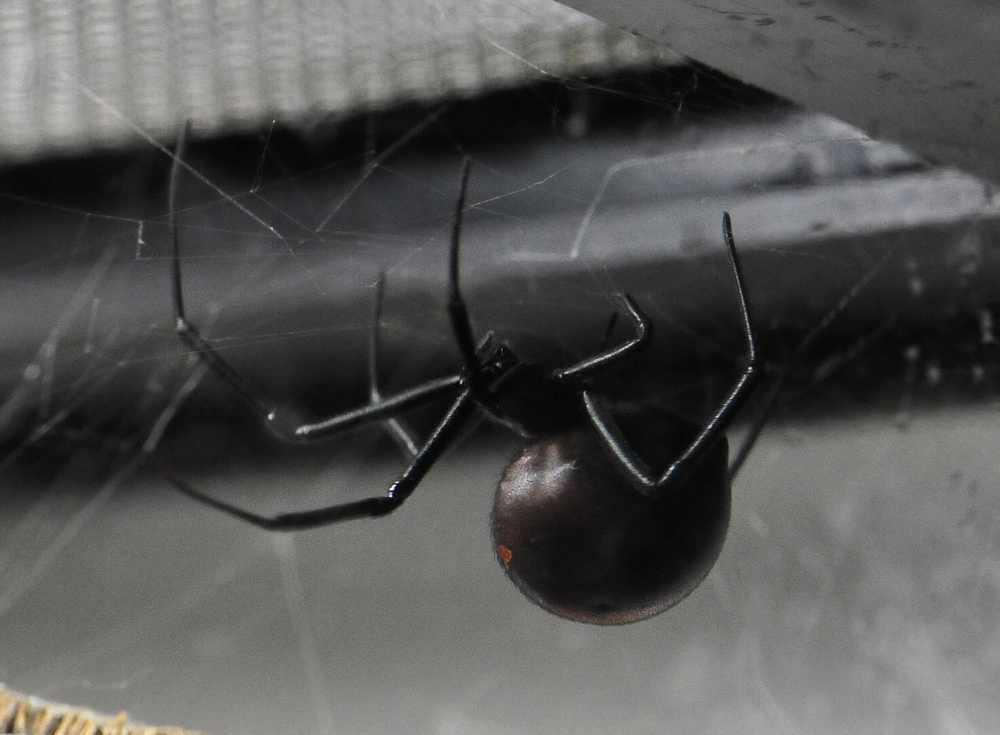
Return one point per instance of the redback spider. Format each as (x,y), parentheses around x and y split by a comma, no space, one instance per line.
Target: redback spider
(604,517)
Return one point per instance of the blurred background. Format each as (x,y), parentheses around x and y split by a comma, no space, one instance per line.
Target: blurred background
(860,586)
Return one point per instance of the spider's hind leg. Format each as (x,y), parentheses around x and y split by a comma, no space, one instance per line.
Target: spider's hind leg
(400,432)
(770,402)
(630,464)
(613,355)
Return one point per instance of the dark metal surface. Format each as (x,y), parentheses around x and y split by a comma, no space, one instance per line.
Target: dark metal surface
(920,73)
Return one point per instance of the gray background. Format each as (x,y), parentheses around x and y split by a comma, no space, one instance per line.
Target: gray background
(859,587)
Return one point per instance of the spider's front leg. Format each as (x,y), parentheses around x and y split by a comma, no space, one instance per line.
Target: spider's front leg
(379,409)
(458,312)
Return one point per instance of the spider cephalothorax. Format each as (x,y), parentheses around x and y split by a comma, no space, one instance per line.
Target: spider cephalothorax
(530,400)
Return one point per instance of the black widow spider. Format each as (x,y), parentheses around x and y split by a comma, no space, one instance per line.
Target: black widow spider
(582,524)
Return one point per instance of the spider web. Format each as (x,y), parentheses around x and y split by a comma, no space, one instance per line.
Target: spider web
(859,587)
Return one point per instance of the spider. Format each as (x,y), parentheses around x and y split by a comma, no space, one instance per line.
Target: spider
(582,523)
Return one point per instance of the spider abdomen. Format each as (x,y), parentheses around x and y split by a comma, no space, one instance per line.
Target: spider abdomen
(580,541)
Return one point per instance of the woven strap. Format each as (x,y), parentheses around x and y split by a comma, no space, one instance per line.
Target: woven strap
(105,73)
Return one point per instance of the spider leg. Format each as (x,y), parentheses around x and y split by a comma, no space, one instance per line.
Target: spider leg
(609,330)
(399,432)
(457,310)
(371,507)
(630,463)
(381,410)
(609,357)
(768,405)
(185,329)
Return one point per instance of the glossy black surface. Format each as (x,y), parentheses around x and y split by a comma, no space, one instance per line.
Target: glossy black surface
(580,541)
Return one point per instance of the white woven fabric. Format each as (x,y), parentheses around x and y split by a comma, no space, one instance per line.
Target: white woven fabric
(80,74)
